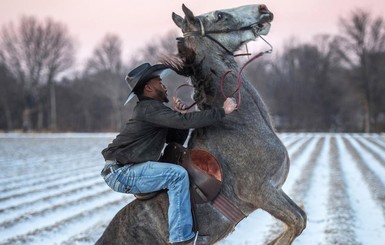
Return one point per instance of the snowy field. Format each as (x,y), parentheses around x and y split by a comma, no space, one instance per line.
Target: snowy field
(52,193)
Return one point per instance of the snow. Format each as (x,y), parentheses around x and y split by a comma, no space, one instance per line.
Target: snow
(315,202)
(369,223)
(51,191)
(373,163)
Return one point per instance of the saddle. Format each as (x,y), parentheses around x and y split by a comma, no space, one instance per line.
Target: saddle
(205,182)
(204,171)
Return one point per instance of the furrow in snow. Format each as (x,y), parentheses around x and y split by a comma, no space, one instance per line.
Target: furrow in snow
(298,163)
(380,141)
(43,180)
(45,193)
(303,183)
(65,204)
(31,190)
(34,161)
(26,231)
(372,149)
(53,199)
(314,197)
(340,222)
(44,169)
(376,142)
(292,141)
(298,151)
(368,216)
(376,185)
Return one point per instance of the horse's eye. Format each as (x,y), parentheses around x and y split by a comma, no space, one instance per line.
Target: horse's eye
(219,16)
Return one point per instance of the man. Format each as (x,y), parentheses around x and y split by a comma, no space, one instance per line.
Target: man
(132,159)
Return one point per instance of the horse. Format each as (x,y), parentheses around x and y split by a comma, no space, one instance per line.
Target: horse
(254,161)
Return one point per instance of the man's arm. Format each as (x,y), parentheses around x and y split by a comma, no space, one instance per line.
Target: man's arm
(166,117)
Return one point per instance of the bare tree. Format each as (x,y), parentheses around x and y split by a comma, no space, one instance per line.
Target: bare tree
(105,66)
(301,86)
(107,56)
(361,42)
(9,103)
(153,51)
(36,53)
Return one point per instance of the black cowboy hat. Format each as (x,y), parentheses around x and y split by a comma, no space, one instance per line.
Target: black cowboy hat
(138,77)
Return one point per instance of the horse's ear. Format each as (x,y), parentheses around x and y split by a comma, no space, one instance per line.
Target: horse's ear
(189,14)
(177,20)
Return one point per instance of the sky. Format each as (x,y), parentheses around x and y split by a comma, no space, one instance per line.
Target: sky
(138,23)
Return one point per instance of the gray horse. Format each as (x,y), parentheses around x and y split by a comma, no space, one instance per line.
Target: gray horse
(255,163)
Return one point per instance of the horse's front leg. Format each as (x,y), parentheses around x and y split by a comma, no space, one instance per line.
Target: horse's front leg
(279,205)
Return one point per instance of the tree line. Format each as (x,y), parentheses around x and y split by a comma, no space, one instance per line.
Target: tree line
(333,83)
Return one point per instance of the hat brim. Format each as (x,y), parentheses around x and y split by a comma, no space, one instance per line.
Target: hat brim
(130,97)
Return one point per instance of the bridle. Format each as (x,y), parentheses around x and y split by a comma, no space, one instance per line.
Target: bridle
(256,27)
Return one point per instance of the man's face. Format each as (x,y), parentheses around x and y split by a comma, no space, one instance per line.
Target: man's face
(159,89)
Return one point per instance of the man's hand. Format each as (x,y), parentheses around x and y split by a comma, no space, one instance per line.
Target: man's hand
(229,105)
(179,105)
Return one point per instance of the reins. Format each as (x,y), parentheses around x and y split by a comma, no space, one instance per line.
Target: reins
(239,75)
(176,94)
(256,28)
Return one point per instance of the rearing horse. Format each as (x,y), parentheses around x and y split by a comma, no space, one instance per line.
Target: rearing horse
(254,161)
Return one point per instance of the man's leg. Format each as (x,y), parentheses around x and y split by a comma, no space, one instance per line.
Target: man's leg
(153,176)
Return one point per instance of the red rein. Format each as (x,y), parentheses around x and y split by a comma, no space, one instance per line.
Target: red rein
(222,82)
(239,80)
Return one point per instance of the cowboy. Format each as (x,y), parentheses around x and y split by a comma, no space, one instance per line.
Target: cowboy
(132,159)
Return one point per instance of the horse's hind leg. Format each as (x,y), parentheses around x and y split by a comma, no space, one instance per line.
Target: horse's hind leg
(279,205)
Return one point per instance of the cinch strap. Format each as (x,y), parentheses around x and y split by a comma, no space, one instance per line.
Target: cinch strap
(229,210)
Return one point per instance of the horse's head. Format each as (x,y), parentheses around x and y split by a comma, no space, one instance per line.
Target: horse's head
(229,28)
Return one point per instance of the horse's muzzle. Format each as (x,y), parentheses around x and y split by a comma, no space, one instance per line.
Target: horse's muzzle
(267,16)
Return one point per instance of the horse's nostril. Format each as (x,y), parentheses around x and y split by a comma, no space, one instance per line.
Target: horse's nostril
(263,9)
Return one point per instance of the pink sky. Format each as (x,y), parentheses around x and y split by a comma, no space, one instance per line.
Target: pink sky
(140,22)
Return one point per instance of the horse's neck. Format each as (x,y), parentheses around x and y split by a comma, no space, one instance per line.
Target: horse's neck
(217,64)
(218,74)
(212,70)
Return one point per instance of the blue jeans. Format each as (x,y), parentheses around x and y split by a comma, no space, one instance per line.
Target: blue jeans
(154,176)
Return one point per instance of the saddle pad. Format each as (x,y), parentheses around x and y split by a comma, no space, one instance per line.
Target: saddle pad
(207,163)
(203,168)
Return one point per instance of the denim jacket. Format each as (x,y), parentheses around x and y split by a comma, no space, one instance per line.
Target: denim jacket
(144,135)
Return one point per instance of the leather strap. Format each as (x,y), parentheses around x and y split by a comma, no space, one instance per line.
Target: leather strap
(229,210)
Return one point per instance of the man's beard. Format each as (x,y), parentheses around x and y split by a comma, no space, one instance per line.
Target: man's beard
(163,96)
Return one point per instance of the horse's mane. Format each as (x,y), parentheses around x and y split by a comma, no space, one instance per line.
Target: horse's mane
(182,62)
